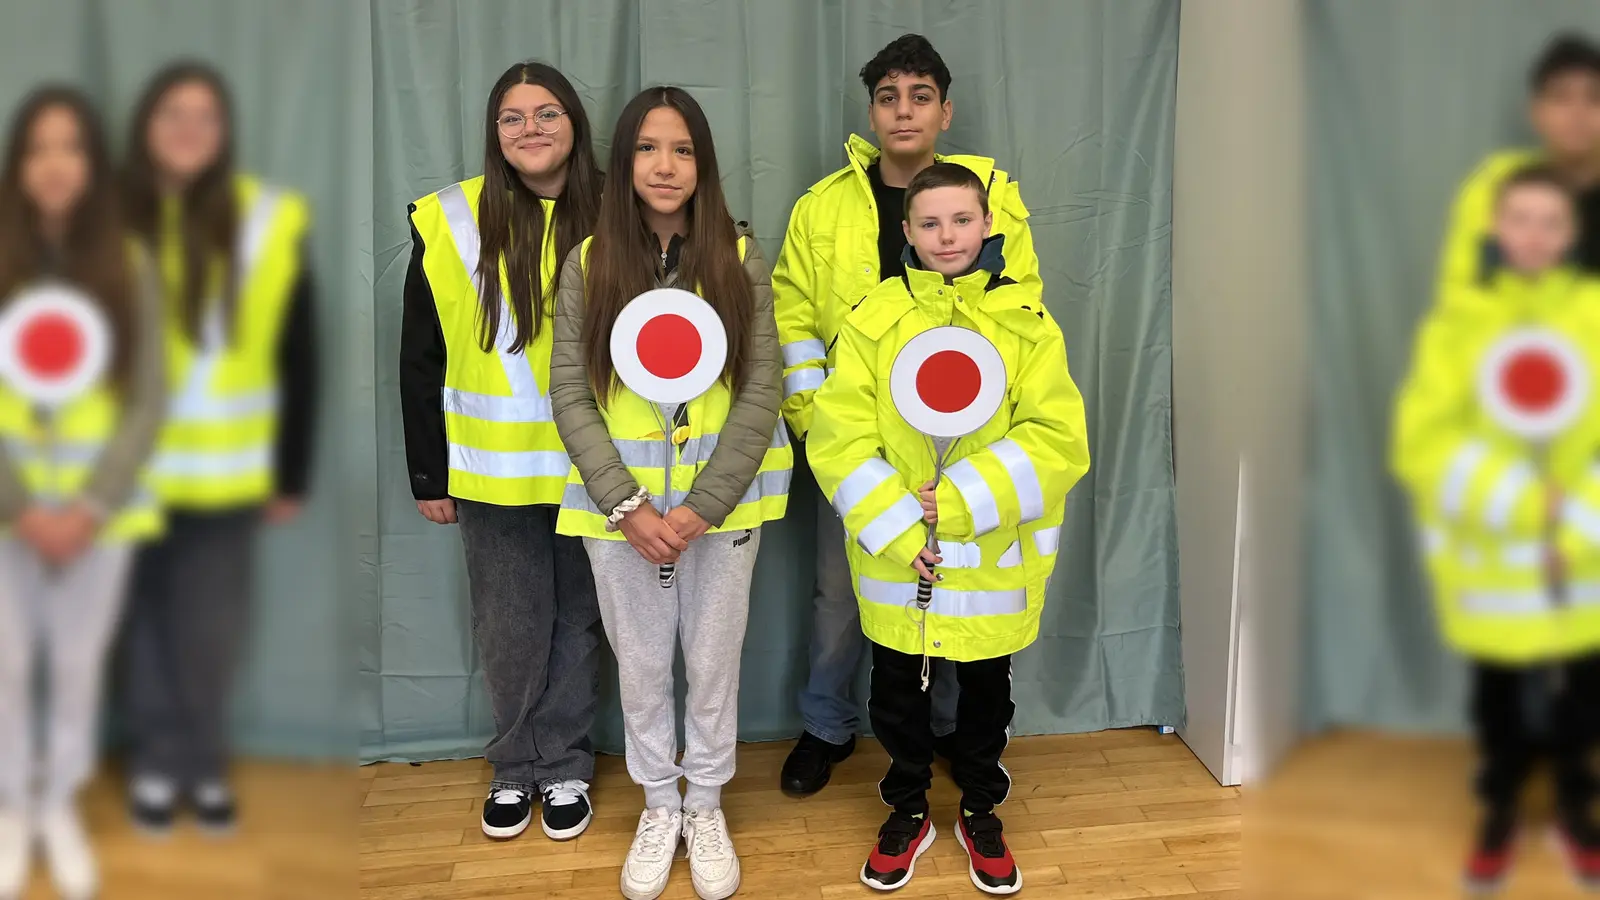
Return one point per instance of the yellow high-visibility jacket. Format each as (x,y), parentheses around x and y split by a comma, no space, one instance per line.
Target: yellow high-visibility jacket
(502,440)
(1479,492)
(1003,493)
(829,262)
(215,451)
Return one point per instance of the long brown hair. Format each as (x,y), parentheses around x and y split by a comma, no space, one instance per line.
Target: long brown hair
(623,262)
(94,256)
(210,210)
(511,219)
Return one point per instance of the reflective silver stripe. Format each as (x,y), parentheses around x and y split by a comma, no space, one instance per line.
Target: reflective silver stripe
(980,500)
(957,604)
(1506,603)
(1529,555)
(495,408)
(257,224)
(198,406)
(1030,497)
(1433,541)
(1580,516)
(1047,540)
(768,484)
(802,380)
(1584,593)
(649,453)
(212,465)
(780,436)
(697,450)
(1012,557)
(863,481)
(576,496)
(1503,499)
(959,555)
(890,524)
(464,232)
(63,454)
(510,463)
(1453,491)
(797,352)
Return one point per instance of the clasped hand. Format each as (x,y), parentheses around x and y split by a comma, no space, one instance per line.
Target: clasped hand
(660,539)
(59,536)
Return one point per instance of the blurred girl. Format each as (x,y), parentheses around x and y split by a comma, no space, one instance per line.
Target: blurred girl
(482,446)
(237,443)
(663,223)
(72,497)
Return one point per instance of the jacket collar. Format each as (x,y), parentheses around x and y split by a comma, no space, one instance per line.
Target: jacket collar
(926,286)
(862,153)
(1544,292)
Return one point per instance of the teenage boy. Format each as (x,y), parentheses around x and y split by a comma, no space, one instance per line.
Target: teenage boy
(1564,107)
(844,238)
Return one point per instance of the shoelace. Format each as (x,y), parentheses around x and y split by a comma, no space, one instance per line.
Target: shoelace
(651,837)
(565,793)
(508,796)
(985,832)
(706,834)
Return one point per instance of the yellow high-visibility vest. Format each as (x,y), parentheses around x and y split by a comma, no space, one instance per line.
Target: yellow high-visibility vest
(216,449)
(503,444)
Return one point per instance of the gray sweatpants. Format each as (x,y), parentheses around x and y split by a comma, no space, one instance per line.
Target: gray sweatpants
(707,607)
(64,618)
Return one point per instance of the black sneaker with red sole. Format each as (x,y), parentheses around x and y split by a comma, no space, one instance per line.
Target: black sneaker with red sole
(1579,840)
(989,861)
(893,860)
(1491,857)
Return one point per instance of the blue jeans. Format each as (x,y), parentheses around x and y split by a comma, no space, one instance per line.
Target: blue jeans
(826,706)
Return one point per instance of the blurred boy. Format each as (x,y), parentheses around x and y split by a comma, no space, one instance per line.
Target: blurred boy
(1511,530)
(1564,108)
(997,512)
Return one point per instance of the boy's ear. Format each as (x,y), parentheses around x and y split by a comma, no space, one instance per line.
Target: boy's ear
(944,120)
(905,228)
(988,224)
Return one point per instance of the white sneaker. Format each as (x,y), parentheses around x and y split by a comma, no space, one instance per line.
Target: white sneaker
(649,863)
(67,850)
(15,842)
(712,863)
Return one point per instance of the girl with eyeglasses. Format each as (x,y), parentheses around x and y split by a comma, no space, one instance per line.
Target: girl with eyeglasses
(481,444)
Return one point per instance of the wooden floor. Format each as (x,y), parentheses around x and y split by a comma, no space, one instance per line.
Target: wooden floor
(1117,814)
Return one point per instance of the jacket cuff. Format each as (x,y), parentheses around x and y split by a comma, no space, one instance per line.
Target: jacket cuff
(903,550)
(955,518)
(706,507)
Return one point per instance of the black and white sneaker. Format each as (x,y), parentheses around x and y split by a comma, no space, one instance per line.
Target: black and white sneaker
(507,812)
(214,807)
(152,804)
(566,812)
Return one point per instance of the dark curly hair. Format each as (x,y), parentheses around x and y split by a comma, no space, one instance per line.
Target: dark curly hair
(908,54)
(1567,52)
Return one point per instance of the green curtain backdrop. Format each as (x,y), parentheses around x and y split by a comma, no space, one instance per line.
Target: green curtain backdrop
(290,66)
(1076,99)
(1404,100)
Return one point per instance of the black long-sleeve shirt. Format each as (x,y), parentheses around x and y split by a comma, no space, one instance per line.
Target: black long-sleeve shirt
(1587,253)
(422,360)
(297,374)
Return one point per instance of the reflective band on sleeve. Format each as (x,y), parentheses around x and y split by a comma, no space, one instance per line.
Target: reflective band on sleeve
(495,408)
(956,604)
(1030,498)
(863,481)
(980,500)
(1503,499)
(1453,490)
(892,523)
(1527,555)
(1047,540)
(1506,603)
(1012,557)
(802,380)
(809,350)
(510,463)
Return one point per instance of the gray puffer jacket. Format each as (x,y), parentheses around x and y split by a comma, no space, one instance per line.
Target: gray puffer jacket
(744,439)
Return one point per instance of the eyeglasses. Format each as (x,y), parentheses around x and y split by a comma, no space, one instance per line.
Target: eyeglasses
(545,121)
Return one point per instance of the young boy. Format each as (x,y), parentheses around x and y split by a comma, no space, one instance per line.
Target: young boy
(1564,107)
(996,512)
(1511,531)
(844,237)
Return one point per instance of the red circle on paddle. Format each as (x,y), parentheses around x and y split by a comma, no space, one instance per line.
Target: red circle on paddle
(50,345)
(948,381)
(668,346)
(1533,380)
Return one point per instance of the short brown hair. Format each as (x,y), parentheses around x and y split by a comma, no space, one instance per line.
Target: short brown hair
(945,174)
(1536,175)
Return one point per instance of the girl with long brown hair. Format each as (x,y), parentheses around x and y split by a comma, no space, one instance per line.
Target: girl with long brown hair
(73,501)
(482,446)
(699,502)
(236,448)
